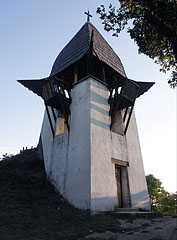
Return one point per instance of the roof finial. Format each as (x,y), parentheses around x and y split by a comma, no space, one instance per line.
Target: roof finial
(88,16)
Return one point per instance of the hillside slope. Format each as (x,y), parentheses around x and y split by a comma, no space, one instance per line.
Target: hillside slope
(30,209)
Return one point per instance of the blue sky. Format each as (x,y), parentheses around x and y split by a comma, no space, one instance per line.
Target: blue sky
(32,34)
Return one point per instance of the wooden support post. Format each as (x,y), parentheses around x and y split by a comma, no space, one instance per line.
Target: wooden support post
(128,121)
(63,109)
(70,99)
(103,74)
(66,84)
(75,74)
(50,121)
(53,112)
(116,103)
(125,114)
(110,96)
(114,110)
(112,103)
(66,104)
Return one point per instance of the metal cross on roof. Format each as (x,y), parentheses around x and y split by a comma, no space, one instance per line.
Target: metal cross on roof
(88,16)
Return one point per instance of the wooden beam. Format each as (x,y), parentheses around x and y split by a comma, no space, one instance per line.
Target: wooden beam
(103,74)
(120,162)
(66,103)
(128,121)
(53,112)
(63,109)
(114,110)
(75,74)
(50,121)
(66,84)
(125,114)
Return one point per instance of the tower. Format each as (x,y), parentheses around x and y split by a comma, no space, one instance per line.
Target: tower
(89,139)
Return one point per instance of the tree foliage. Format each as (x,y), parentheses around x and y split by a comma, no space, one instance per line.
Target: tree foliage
(161,200)
(152,25)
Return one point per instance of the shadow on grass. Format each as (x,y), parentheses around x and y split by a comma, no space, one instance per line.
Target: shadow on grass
(31,209)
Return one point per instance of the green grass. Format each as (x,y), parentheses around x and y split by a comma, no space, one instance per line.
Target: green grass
(31,209)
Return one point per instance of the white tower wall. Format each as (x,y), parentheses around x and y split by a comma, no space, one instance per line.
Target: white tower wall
(137,181)
(81,164)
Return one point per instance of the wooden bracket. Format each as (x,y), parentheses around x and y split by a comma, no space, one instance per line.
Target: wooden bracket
(128,121)
(125,99)
(53,112)
(50,121)
(64,108)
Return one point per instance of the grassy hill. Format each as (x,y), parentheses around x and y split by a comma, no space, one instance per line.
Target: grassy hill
(31,209)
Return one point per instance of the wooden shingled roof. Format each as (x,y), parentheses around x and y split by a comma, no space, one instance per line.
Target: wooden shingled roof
(78,47)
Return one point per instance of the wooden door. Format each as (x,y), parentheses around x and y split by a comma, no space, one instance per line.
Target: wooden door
(119,185)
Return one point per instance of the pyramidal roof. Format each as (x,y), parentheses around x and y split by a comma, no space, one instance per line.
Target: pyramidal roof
(78,47)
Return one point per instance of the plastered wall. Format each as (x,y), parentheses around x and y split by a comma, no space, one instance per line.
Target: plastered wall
(79,163)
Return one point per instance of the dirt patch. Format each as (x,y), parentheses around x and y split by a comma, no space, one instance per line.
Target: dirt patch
(161,229)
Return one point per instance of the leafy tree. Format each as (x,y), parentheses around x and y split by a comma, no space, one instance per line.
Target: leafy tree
(161,200)
(153,26)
